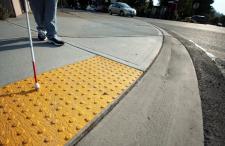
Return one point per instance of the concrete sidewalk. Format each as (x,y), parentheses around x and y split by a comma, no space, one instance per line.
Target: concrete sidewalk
(164,106)
(135,45)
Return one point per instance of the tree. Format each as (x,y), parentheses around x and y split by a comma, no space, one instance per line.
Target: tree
(163,2)
(5,11)
(216,17)
(148,8)
(184,8)
(83,3)
(204,7)
(222,20)
(150,4)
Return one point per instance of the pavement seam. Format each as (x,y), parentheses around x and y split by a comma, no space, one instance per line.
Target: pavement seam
(34,30)
(92,51)
(105,55)
(128,36)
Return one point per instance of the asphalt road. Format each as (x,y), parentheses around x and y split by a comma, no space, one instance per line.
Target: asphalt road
(206,46)
(208,37)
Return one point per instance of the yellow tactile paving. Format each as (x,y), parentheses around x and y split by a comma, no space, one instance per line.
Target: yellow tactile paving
(69,98)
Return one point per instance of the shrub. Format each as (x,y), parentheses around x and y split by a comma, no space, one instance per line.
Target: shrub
(4,12)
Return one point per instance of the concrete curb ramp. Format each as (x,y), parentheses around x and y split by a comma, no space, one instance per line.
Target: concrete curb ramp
(163,109)
(73,98)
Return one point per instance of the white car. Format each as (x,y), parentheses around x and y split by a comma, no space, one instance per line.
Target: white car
(122,9)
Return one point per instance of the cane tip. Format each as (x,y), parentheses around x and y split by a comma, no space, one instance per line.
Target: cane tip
(37,86)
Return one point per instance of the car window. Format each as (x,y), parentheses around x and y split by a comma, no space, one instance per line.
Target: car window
(125,5)
(117,5)
(113,5)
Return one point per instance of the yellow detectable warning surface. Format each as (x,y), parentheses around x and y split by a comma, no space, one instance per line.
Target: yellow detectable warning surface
(69,98)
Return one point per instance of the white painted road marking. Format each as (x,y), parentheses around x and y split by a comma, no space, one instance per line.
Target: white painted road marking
(213,57)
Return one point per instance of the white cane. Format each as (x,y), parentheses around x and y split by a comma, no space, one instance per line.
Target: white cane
(36,86)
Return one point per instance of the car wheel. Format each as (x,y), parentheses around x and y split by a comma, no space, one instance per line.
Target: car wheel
(110,12)
(121,13)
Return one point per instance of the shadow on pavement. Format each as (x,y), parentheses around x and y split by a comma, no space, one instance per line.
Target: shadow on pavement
(11,94)
(20,43)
